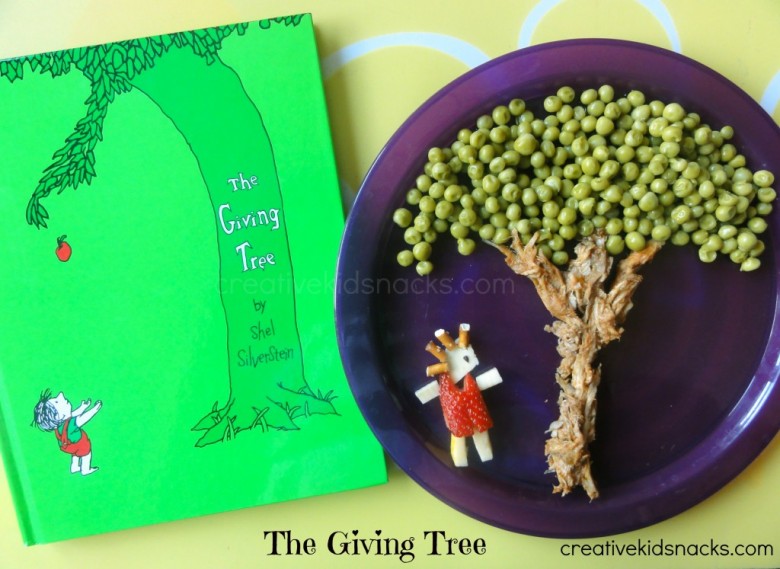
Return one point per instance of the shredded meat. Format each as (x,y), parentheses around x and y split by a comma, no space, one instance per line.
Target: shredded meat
(587,317)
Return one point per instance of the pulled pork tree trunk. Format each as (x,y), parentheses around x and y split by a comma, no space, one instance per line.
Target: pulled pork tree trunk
(587,317)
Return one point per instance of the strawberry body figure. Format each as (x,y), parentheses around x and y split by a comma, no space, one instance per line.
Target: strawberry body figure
(464,409)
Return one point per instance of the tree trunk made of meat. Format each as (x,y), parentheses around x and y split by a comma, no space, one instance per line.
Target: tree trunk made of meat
(588,315)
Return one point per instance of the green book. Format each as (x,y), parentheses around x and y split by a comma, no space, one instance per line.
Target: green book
(170,224)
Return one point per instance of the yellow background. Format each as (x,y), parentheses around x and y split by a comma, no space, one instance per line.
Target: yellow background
(368,98)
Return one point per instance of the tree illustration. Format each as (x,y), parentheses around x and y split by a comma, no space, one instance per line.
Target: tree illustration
(183,75)
(579,194)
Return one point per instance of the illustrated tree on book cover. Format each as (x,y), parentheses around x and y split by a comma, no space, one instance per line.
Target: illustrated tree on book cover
(183,75)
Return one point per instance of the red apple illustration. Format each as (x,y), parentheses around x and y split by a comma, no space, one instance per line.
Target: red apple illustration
(63,250)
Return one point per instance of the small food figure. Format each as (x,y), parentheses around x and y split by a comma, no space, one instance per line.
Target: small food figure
(63,250)
(464,409)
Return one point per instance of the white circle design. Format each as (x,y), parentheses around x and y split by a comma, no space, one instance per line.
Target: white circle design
(771,96)
(655,7)
(454,47)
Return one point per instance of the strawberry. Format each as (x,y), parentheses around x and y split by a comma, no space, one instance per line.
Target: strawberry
(464,409)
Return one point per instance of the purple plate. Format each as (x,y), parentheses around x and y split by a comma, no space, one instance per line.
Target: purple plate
(689,396)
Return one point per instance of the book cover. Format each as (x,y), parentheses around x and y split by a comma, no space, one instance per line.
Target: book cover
(171,223)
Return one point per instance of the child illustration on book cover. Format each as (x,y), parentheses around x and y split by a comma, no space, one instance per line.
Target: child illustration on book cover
(56,414)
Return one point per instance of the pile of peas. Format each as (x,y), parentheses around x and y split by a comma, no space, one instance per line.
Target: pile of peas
(632,168)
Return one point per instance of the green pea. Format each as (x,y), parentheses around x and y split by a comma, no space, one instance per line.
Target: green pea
(763,178)
(422,223)
(699,237)
(499,220)
(615,245)
(580,146)
(648,202)
(725,213)
(531,211)
(511,192)
(596,108)
(600,151)
(405,258)
(487,232)
(458,230)
(427,204)
(466,201)
(758,248)
(757,225)
(467,154)
(614,226)
(746,240)
(525,144)
(633,138)
(713,243)
(538,159)
(490,184)
(635,241)
(502,235)
(475,171)
(467,217)
(766,195)
(529,196)
(680,238)
(625,153)
(566,94)
(763,208)
(545,193)
(708,222)
(402,217)
(413,196)
(552,103)
(501,115)
(422,251)
(727,231)
(479,195)
(585,227)
(567,216)
(441,170)
(424,268)
(612,194)
(587,206)
(516,107)
(729,245)
(750,264)
(706,255)
(412,236)
(636,98)
(673,112)
(551,209)
(706,189)
(738,256)
(661,233)
(440,225)
(604,125)
(466,246)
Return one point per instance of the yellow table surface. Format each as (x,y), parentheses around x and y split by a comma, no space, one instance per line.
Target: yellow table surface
(380,61)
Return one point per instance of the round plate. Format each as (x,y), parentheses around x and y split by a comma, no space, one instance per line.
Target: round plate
(689,396)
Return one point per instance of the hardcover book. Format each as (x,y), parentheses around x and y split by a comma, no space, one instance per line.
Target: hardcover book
(171,223)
